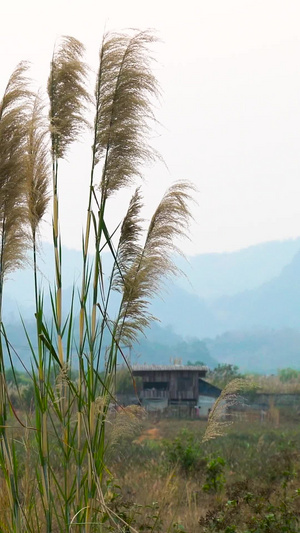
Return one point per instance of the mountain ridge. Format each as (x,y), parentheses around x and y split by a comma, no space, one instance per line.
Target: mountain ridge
(256,315)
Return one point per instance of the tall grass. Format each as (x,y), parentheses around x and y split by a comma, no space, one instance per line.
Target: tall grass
(54,474)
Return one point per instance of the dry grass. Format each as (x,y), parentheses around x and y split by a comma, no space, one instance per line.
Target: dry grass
(146,477)
(273,384)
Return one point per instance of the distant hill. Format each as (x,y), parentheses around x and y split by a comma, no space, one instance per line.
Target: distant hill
(160,346)
(186,313)
(263,351)
(246,305)
(211,276)
(207,276)
(275,304)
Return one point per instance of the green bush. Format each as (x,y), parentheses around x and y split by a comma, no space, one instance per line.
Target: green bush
(185,452)
(215,478)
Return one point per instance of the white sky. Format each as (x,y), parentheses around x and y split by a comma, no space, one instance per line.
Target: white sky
(229,71)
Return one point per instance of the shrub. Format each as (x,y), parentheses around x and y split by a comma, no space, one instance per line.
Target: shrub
(185,452)
(215,478)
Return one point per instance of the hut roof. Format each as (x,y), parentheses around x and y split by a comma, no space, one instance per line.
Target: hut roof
(164,368)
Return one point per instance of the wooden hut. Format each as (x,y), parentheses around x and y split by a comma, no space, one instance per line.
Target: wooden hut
(167,385)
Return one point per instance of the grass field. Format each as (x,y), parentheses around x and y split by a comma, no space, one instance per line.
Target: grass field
(246,481)
(160,476)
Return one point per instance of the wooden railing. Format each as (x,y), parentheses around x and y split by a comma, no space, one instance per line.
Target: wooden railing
(154,393)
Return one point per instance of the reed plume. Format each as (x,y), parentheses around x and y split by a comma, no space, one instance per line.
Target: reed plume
(37,167)
(218,420)
(142,276)
(124,89)
(126,424)
(37,176)
(129,245)
(13,128)
(67,94)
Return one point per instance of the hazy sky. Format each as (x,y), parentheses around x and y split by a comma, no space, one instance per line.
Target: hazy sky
(229,71)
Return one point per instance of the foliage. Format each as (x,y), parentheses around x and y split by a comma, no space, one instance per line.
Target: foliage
(288,374)
(215,478)
(184,451)
(126,383)
(253,513)
(287,381)
(12,375)
(223,374)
